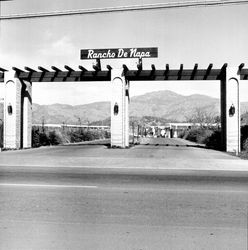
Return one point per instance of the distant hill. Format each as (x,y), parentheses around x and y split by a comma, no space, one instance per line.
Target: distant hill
(164,104)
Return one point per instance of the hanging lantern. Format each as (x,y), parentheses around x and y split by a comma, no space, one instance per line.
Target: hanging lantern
(116,109)
(232,110)
(10,109)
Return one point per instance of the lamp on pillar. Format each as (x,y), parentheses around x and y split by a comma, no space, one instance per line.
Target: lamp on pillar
(231,110)
(116,109)
(10,109)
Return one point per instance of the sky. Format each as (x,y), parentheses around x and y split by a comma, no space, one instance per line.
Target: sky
(185,36)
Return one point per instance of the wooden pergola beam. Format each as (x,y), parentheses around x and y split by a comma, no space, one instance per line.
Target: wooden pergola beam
(180,72)
(166,73)
(56,69)
(82,68)
(194,72)
(57,75)
(17,70)
(222,71)
(3,70)
(97,65)
(109,67)
(43,69)
(29,69)
(241,66)
(210,66)
(152,74)
(69,68)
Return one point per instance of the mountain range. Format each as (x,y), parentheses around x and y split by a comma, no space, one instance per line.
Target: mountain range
(164,104)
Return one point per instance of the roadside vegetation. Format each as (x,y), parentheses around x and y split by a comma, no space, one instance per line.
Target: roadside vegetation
(44,136)
(206,133)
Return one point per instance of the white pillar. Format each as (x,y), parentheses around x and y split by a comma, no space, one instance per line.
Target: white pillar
(119,110)
(232,121)
(175,135)
(27,115)
(12,112)
(127,114)
(230,102)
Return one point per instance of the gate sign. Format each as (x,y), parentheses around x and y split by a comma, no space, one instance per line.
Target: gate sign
(119,53)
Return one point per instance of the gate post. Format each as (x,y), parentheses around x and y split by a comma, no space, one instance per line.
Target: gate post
(12,111)
(17,112)
(119,110)
(27,114)
(230,111)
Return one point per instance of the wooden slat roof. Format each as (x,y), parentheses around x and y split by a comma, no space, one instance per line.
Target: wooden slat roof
(140,74)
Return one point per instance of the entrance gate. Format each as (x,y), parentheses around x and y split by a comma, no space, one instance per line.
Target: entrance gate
(18,97)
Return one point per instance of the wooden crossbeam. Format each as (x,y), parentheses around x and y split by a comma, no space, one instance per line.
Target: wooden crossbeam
(97,65)
(109,67)
(43,72)
(152,74)
(166,73)
(180,72)
(1,76)
(69,74)
(125,69)
(29,69)
(3,70)
(82,68)
(56,69)
(222,71)
(241,66)
(210,66)
(109,70)
(17,69)
(194,72)
(244,74)
(68,68)
(43,69)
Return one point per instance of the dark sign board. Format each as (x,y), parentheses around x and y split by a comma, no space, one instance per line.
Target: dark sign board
(119,53)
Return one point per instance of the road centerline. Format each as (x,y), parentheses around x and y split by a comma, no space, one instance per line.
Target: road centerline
(45,185)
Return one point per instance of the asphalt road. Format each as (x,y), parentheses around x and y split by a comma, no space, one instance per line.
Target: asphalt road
(92,197)
(69,209)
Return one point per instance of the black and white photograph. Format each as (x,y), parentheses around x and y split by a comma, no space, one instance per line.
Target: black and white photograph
(123,125)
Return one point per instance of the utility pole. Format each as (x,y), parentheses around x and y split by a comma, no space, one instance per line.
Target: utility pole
(1,11)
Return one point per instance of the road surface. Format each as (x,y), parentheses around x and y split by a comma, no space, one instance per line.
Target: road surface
(92,197)
(41,210)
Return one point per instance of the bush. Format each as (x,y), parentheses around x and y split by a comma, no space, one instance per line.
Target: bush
(198,135)
(244,138)
(44,139)
(87,135)
(214,140)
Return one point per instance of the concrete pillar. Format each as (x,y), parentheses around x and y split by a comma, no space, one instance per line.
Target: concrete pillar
(17,113)
(175,135)
(12,112)
(27,115)
(127,114)
(119,110)
(230,111)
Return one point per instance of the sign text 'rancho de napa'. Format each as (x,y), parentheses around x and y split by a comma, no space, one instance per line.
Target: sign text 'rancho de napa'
(119,53)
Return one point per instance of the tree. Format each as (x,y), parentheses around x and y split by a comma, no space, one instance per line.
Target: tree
(202,117)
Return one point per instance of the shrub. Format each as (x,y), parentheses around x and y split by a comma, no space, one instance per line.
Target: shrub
(53,138)
(43,139)
(214,140)
(198,135)
(244,138)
